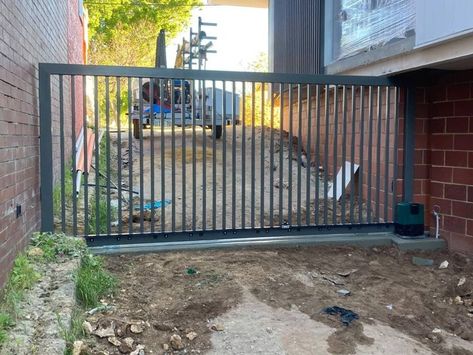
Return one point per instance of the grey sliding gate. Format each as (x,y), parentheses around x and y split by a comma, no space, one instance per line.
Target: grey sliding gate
(132,155)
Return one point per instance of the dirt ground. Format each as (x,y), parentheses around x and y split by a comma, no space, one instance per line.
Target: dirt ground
(255,179)
(257,301)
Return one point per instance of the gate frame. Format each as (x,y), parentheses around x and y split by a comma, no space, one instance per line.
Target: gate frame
(46,70)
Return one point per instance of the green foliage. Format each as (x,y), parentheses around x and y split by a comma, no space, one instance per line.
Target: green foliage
(92,281)
(100,226)
(22,277)
(68,187)
(54,245)
(124,32)
(74,331)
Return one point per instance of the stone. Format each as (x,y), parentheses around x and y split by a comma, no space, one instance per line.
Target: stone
(165,347)
(443,265)
(458,300)
(347,272)
(114,341)
(191,335)
(176,342)
(422,261)
(437,331)
(461,282)
(77,347)
(140,350)
(217,327)
(137,328)
(105,332)
(87,327)
(35,252)
(468,302)
(344,292)
(127,345)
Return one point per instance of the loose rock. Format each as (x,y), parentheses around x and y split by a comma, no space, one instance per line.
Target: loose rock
(176,342)
(137,328)
(87,327)
(191,336)
(443,265)
(105,332)
(165,347)
(458,300)
(126,345)
(77,347)
(217,327)
(114,341)
(344,292)
(461,282)
(140,350)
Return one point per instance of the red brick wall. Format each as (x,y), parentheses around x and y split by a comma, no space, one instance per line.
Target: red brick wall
(30,33)
(450,127)
(381,119)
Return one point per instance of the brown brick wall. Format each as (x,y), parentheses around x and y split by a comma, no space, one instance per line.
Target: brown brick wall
(30,32)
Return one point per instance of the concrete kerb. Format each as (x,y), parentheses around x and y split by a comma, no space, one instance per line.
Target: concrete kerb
(359,240)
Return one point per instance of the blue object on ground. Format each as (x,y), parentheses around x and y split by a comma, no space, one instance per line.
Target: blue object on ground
(156,204)
(346,316)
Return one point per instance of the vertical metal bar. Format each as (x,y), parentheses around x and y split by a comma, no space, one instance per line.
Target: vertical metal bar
(140,96)
(173,156)
(163,157)
(271,159)
(289,192)
(281,152)
(352,160)
(308,154)
(214,156)
(234,138)
(184,152)
(204,159)
(317,155)
(299,153)
(62,153)
(327,132)
(243,155)
(395,149)
(130,160)
(253,99)
(335,155)
(194,173)
(85,166)
(370,153)
(224,155)
(119,165)
(151,143)
(386,154)
(46,151)
(73,152)
(362,149)
(344,154)
(97,159)
(378,154)
(409,143)
(107,153)
(262,172)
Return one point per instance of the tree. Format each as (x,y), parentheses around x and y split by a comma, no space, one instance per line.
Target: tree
(123,32)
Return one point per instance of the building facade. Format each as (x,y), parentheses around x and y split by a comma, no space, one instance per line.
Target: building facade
(31,32)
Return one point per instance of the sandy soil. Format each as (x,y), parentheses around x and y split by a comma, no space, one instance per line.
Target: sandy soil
(271,301)
(257,180)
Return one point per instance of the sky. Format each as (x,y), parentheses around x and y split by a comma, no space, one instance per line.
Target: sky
(242,34)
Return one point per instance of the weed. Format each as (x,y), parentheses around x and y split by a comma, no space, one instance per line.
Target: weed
(54,245)
(74,331)
(92,281)
(22,277)
(57,191)
(98,218)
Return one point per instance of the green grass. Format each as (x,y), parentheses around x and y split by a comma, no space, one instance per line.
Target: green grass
(101,212)
(93,282)
(22,277)
(74,331)
(57,193)
(54,245)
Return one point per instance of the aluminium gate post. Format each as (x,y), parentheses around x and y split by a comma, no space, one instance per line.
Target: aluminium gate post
(46,150)
(409,143)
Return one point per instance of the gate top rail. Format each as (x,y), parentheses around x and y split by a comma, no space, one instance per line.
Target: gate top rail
(144,72)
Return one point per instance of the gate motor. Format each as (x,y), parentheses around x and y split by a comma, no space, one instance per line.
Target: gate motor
(409,219)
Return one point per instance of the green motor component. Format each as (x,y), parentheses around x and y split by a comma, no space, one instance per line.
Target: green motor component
(409,221)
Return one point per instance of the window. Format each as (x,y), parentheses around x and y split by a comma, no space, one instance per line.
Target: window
(355,26)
